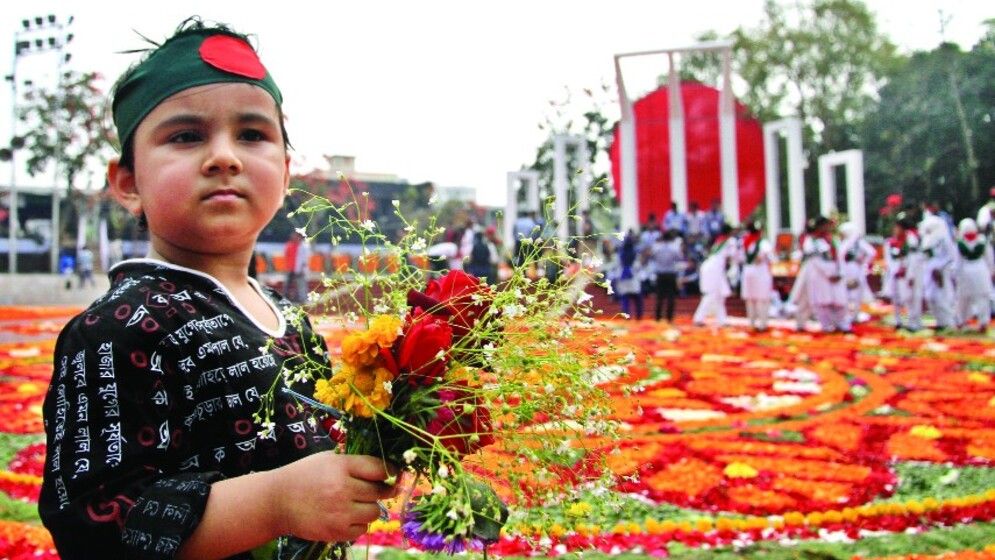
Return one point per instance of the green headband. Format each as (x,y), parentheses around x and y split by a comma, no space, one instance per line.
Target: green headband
(194,58)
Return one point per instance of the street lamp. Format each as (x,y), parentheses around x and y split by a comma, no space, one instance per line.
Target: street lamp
(39,35)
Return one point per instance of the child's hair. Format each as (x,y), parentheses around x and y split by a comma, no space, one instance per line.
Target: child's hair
(125,85)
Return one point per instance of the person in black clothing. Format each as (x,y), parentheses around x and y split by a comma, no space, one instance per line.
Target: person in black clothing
(665,255)
(155,450)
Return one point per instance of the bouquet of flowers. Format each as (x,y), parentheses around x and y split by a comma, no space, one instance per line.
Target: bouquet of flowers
(479,389)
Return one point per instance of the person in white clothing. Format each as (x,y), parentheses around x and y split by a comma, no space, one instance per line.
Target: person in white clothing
(904,252)
(758,281)
(798,302)
(826,289)
(975,266)
(939,252)
(713,280)
(858,257)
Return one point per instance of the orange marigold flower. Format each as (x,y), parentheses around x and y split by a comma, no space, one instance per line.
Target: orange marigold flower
(355,390)
(384,330)
(359,351)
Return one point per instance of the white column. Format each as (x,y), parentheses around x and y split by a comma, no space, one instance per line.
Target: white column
(772,179)
(727,143)
(855,190)
(584,183)
(827,186)
(796,176)
(511,210)
(678,148)
(560,183)
(853,161)
(628,189)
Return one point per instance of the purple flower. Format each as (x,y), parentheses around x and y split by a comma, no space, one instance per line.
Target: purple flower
(421,537)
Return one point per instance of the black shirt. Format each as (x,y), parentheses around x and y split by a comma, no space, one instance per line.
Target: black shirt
(152,399)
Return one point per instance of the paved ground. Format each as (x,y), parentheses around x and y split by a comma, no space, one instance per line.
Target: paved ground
(47,289)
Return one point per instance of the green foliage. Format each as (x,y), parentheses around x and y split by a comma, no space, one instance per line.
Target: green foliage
(67,127)
(916,141)
(927,480)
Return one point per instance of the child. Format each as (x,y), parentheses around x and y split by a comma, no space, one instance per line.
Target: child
(713,280)
(975,267)
(939,252)
(826,289)
(152,447)
(906,260)
(858,257)
(757,278)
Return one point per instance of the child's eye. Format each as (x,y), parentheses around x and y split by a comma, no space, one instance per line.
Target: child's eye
(184,137)
(252,135)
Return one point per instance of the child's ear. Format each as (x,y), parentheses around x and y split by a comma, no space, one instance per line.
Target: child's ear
(122,186)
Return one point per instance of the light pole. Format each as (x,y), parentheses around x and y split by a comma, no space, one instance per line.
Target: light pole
(37,35)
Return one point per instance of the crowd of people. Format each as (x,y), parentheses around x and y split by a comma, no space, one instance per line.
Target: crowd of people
(927,263)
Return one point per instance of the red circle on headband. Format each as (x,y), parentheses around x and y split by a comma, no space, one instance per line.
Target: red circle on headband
(232,55)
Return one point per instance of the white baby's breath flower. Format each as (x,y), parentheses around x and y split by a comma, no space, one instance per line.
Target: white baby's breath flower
(409,456)
(584,297)
(439,490)
(608,288)
(381,309)
(620,235)
(443,471)
(268,431)
(313,297)
(368,225)
(301,231)
(513,310)
(433,199)
(395,203)
(419,245)
(440,355)
(597,262)
(452,514)
(388,387)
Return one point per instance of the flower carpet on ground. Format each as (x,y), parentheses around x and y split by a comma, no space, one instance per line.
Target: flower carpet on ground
(779,445)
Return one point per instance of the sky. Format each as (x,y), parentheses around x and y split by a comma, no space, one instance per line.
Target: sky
(443,91)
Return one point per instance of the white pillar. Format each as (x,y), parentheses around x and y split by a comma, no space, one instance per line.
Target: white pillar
(796,175)
(827,186)
(531,179)
(678,147)
(855,203)
(560,182)
(853,161)
(727,143)
(628,189)
(772,180)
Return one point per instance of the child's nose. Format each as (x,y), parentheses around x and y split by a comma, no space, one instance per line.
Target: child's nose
(222,158)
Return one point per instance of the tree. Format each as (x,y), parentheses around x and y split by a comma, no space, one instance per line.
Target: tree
(586,119)
(819,60)
(67,128)
(934,115)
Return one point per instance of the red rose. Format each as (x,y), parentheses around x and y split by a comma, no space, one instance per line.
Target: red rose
(425,337)
(455,293)
(461,422)
(893,200)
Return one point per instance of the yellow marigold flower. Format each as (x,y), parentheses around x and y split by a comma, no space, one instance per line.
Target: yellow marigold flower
(580,509)
(740,470)
(556,530)
(833,516)
(814,519)
(384,330)
(794,518)
(925,432)
(978,377)
(991,401)
(914,506)
(930,504)
(359,351)
(704,525)
(354,390)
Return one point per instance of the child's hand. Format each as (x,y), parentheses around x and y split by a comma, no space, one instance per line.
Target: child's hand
(329,497)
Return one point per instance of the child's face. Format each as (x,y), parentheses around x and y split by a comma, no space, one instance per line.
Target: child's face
(210,170)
